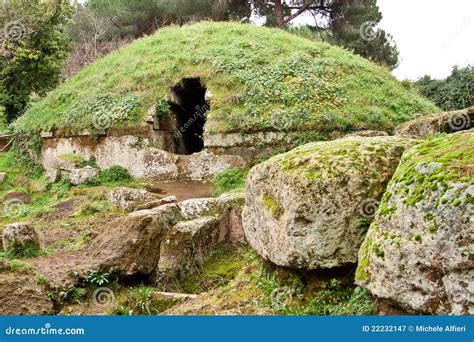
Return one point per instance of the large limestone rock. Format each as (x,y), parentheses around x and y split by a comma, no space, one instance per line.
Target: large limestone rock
(20,236)
(83,175)
(187,244)
(446,122)
(204,166)
(129,199)
(419,251)
(131,244)
(20,294)
(197,207)
(160,165)
(307,208)
(207,223)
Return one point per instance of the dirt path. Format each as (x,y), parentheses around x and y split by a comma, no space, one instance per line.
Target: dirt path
(183,190)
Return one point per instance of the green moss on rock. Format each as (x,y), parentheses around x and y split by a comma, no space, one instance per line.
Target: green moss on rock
(273,206)
(328,160)
(417,255)
(433,165)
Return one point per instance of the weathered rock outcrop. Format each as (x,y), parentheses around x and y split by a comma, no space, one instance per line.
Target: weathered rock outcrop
(83,175)
(20,295)
(204,166)
(130,199)
(130,245)
(160,165)
(187,243)
(18,237)
(419,251)
(308,208)
(167,239)
(446,122)
(207,223)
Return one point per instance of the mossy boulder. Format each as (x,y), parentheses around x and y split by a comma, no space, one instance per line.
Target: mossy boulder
(419,251)
(309,208)
(261,79)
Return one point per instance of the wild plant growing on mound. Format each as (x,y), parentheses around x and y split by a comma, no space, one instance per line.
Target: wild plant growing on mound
(97,278)
(295,294)
(140,301)
(22,251)
(228,180)
(261,78)
(113,176)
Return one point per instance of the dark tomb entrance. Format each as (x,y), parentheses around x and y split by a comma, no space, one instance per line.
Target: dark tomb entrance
(190,108)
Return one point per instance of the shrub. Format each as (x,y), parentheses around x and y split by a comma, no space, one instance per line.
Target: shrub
(115,174)
(454,92)
(112,176)
(228,180)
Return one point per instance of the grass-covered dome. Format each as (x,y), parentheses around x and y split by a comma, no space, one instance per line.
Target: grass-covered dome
(261,79)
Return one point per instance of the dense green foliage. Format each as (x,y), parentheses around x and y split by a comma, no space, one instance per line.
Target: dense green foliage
(136,18)
(113,176)
(336,21)
(32,52)
(282,82)
(228,180)
(293,296)
(352,25)
(454,92)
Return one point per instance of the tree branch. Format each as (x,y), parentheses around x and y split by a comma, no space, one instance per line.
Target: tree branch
(302,9)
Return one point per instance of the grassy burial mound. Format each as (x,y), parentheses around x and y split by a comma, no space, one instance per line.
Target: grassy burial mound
(257,79)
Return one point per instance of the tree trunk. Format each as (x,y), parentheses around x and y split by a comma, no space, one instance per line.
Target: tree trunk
(279,14)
